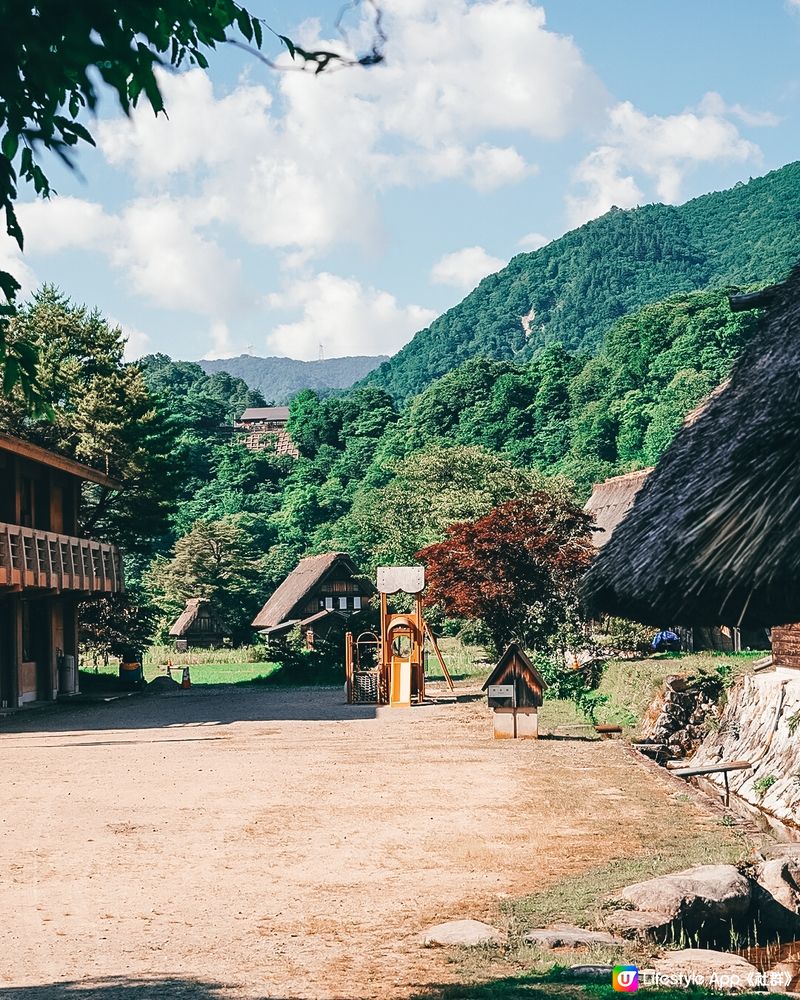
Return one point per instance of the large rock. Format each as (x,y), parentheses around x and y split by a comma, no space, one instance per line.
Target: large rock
(712,970)
(567,936)
(776,899)
(462,933)
(706,901)
(640,924)
(718,890)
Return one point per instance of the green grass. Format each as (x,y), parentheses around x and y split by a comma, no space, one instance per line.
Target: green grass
(159,655)
(463,662)
(217,673)
(201,673)
(558,713)
(631,685)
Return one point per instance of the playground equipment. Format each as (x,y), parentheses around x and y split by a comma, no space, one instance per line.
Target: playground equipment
(389,668)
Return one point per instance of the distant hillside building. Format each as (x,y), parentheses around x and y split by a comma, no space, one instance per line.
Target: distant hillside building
(263,428)
(318,596)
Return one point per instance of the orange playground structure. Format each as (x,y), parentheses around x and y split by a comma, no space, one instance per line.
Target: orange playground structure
(389,668)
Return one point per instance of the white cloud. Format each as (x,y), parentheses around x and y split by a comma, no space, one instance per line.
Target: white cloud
(604,183)
(464,268)
(712,103)
(661,150)
(221,339)
(533,241)
(155,242)
(65,223)
(137,342)
(303,173)
(343,316)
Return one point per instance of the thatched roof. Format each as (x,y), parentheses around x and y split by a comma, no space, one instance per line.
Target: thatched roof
(713,534)
(307,575)
(197,607)
(610,502)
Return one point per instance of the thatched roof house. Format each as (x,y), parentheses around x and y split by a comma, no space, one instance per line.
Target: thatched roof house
(610,502)
(318,588)
(713,533)
(199,624)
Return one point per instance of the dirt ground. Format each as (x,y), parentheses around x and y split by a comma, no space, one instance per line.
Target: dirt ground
(262,843)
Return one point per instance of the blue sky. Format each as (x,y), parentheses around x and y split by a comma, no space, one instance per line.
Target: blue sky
(274,213)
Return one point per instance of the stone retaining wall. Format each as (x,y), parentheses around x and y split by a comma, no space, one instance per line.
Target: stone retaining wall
(756,725)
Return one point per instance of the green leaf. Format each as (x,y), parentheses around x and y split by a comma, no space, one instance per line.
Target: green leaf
(11,375)
(289,45)
(245,25)
(10,145)
(259,34)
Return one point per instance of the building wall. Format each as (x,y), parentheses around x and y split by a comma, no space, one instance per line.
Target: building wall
(338,587)
(786,646)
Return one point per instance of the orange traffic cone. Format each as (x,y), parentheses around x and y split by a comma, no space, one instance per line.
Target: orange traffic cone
(186,681)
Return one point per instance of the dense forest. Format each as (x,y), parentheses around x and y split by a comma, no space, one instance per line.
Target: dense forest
(279,379)
(601,394)
(202,515)
(573,290)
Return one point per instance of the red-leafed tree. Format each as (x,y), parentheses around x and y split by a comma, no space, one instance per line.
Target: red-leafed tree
(515,569)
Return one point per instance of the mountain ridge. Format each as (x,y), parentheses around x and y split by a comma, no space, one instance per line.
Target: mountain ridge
(278,379)
(574,289)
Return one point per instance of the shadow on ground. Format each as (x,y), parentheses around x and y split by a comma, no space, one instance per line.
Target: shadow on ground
(135,988)
(173,988)
(212,705)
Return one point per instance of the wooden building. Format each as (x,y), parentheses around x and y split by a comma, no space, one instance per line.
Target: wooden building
(610,503)
(264,428)
(319,596)
(45,570)
(515,689)
(199,624)
(786,646)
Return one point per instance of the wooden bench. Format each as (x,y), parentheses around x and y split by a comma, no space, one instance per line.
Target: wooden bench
(722,767)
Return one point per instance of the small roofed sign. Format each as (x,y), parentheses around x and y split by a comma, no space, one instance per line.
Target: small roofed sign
(394,579)
(515,690)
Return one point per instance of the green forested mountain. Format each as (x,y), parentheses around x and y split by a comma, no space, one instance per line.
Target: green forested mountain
(572,291)
(585,416)
(278,379)
(201,515)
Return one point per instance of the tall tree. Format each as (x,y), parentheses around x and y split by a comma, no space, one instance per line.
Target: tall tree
(101,413)
(515,569)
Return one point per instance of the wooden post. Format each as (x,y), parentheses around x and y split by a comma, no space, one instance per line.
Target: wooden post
(439,657)
(348,665)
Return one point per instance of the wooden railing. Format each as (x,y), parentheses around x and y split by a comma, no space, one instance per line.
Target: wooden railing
(30,558)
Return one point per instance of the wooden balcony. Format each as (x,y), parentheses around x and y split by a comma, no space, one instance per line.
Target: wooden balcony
(44,560)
